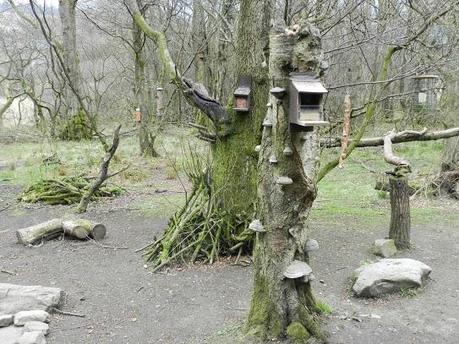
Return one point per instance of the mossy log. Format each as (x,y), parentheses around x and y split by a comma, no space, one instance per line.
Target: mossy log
(80,229)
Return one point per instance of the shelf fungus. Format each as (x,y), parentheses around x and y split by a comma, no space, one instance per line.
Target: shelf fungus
(269,105)
(299,269)
(273,159)
(287,151)
(278,92)
(257,148)
(267,123)
(257,226)
(311,245)
(284,181)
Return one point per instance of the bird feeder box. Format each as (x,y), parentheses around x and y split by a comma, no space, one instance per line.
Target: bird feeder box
(242,95)
(306,95)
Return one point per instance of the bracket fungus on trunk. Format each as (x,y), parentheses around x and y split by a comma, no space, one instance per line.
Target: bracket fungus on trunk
(257,226)
(311,245)
(273,159)
(298,269)
(278,92)
(267,123)
(287,151)
(284,181)
(257,148)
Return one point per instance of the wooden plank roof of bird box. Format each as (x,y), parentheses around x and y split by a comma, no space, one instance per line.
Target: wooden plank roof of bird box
(307,84)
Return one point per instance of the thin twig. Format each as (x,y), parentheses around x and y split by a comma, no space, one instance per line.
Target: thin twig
(58,311)
(8,272)
(107,246)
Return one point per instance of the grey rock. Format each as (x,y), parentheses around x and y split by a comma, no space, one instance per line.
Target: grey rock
(6,320)
(10,335)
(36,326)
(36,337)
(21,318)
(389,276)
(16,298)
(384,248)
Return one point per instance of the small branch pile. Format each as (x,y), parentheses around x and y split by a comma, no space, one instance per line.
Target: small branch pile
(66,190)
(203,229)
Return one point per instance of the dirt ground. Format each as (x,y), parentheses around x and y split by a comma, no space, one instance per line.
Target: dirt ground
(125,303)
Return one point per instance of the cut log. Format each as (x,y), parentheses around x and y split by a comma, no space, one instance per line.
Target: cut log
(83,229)
(43,231)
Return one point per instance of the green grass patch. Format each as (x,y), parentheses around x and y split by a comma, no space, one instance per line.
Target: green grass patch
(347,196)
(161,206)
(324,307)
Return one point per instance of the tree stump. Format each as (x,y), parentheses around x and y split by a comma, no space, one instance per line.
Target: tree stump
(400,221)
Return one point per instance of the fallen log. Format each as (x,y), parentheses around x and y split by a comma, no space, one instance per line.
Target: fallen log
(83,229)
(43,231)
(80,229)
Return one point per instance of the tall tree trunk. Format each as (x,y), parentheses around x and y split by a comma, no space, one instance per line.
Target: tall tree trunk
(282,304)
(75,125)
(141,92)
(4,107)
(235,161)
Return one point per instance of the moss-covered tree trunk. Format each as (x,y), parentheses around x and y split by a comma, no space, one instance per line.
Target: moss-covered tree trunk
(141,92)
(234,156)
(282,304)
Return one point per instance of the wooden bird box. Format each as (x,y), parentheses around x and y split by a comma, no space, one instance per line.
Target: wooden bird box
(242,95)
(305,101)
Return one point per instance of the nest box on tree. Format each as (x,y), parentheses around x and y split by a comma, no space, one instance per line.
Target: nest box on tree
(242,95)
(306,96)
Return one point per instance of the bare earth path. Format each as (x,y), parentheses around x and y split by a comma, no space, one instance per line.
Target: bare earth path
(125,303)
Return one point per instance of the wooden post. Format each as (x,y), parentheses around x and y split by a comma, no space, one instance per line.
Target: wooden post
(400,220)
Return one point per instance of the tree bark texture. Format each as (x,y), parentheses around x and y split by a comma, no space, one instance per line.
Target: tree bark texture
(281,306)
(400,220)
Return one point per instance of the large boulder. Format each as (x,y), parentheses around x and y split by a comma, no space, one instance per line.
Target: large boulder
(389,276)
(10,335)
(17,298)
(21,318)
